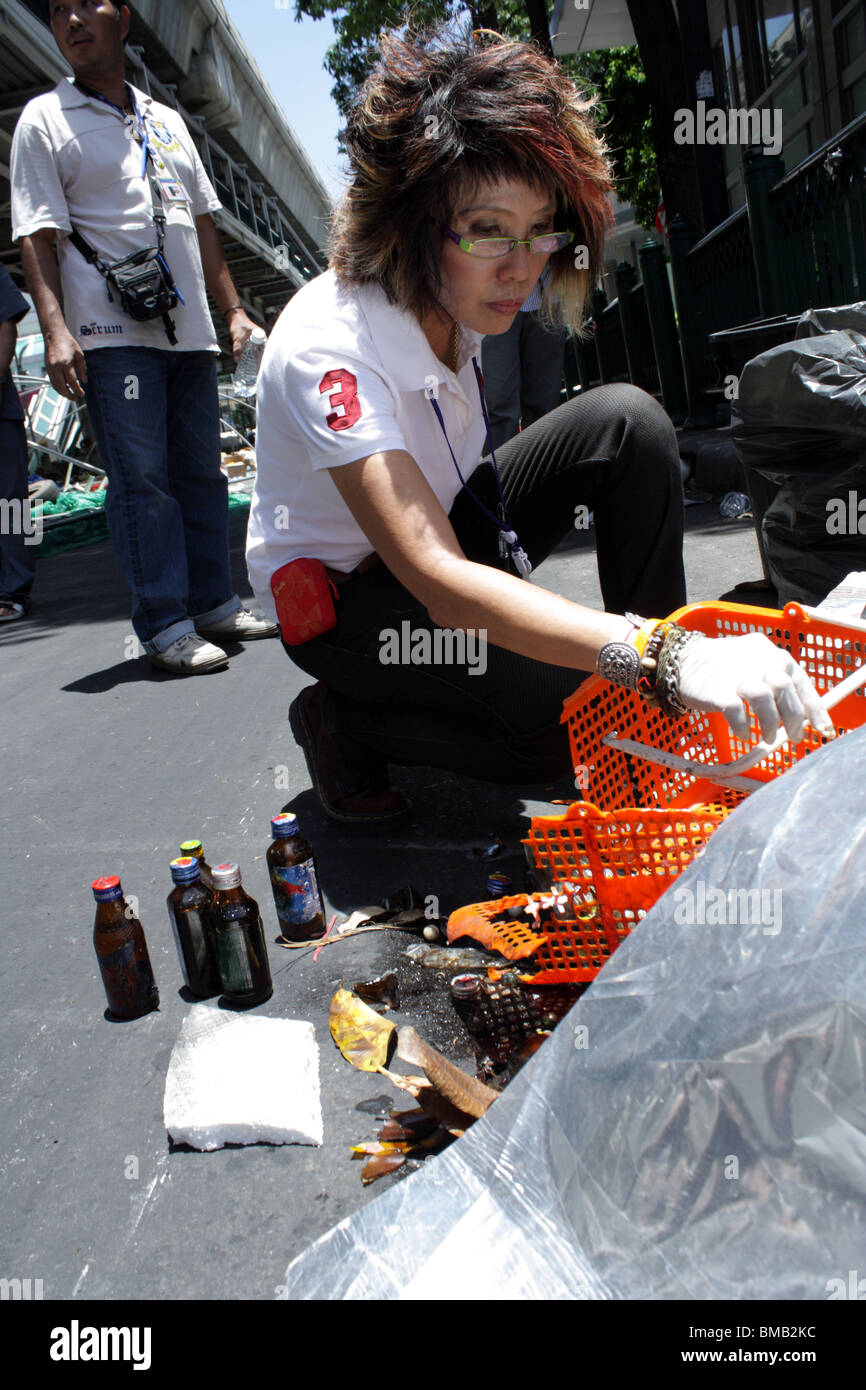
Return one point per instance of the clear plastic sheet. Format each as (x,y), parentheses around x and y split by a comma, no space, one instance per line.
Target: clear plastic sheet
(709,1141)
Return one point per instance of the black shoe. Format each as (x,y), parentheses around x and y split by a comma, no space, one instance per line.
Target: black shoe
(346,791)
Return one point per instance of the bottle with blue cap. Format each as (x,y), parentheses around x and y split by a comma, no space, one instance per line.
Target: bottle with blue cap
(121,949)
(294,881)
(188,905)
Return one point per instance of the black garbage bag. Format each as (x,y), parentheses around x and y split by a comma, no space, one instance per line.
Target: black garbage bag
(800,426)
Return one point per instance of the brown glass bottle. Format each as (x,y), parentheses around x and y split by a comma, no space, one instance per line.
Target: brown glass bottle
(195,850)
(294,881)
(188,912)
(121,950)
(239,940)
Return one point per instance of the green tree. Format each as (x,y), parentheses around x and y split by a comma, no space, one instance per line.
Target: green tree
(624,114)
(615,75)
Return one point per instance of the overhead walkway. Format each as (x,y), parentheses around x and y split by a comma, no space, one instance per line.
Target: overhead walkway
(275,209)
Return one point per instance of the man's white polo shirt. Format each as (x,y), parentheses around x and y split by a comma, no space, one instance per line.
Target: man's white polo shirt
(74,165)
(347,374)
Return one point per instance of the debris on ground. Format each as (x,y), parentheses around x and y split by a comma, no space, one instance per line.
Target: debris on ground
(451,957)
(491,850)
(734,506)
(381,993)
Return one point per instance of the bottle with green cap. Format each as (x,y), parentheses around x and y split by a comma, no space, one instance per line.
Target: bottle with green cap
(188,907)
(294,881)
(118,938)
(239,939)
(194,848)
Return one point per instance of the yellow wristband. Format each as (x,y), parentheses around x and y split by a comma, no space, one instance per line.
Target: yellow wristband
(644,633)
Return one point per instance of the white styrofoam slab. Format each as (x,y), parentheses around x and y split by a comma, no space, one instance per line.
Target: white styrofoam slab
(236,1079)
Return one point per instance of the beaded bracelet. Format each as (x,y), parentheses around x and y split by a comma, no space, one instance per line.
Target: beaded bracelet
(660,685)
(654,671)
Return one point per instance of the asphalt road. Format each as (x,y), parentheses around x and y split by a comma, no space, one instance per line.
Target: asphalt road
(107,766)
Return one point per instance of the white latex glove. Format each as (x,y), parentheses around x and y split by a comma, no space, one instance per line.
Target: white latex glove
(723,673)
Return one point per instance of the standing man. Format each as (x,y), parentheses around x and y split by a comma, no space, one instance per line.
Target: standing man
(523,370)
(17,556)
(96,167)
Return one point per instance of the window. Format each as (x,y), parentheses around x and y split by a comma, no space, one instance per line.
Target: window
(781,28)
(851,38)
(797,149)
(728,57)
(854,100)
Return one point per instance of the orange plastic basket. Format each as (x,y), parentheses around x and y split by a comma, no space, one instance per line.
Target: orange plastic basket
(613,866)
(828,651)
(615,855)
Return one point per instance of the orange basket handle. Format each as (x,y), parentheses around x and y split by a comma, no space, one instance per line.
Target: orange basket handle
(728,774)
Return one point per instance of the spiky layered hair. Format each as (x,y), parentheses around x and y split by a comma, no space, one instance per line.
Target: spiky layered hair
(441,112)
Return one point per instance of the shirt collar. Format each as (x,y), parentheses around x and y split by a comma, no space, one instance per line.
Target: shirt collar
(405,351)
(70,95)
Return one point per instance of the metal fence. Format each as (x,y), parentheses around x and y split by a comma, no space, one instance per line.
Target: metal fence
(799,243)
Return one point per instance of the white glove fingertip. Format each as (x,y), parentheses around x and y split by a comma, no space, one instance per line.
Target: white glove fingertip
(738,718)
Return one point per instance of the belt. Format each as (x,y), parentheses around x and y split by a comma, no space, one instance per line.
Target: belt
(370,562)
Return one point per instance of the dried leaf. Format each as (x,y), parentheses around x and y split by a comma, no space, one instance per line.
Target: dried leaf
(469,1095)
(447,1115)
(393,1132)
(380,1165)
(452,1119)
(364,1038)
(412,1084)
(371,1147)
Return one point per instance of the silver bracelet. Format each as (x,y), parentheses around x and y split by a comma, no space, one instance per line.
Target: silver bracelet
(619,663)
(667,689)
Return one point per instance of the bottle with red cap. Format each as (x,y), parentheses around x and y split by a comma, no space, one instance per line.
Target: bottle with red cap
(294,881)
(118,938)
(239,939)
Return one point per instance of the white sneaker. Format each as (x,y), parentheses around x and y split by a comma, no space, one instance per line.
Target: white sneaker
(241,625)
(190,655)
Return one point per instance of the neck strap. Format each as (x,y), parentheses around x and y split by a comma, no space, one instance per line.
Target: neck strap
(139,127)
(508,542)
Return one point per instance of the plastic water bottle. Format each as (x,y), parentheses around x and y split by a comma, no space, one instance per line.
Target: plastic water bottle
(247,370)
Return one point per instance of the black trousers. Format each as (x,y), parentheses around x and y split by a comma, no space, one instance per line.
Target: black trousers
(613,450)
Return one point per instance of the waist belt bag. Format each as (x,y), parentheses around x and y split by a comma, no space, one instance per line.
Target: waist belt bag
(142,281)
(143,284)
(304,598)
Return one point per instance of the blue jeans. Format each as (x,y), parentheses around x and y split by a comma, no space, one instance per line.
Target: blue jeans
(523,370)
(155,415)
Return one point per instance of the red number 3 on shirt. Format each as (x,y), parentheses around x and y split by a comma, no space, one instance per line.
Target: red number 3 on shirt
(342,390)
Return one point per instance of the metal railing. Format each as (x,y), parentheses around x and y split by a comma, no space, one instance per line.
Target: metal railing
(818,224)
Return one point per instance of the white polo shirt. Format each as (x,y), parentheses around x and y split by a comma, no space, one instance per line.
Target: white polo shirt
(346,374)
(74,165)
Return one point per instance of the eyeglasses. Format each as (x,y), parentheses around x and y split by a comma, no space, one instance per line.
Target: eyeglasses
(491,247)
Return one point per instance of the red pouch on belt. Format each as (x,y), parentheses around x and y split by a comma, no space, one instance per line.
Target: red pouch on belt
(304,597)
